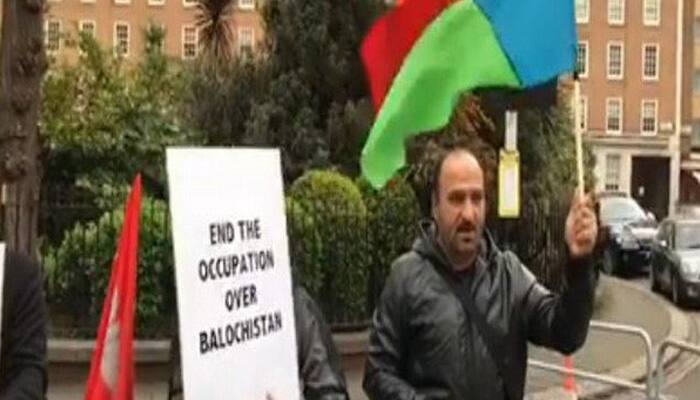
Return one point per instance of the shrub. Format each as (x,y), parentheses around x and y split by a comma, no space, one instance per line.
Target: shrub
(393,214)
(305,247)
(340,223)
(78,270)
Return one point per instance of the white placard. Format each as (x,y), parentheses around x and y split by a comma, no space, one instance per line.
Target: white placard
(232,271)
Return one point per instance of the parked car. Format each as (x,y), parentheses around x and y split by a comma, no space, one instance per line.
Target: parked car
(628,233)
(675,261)
(689,210)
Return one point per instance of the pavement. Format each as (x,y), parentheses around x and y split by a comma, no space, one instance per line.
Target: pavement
(618,355)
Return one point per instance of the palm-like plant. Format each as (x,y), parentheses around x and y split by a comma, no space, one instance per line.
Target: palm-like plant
(214,26)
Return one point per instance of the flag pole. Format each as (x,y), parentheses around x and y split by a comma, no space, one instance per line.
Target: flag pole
(578,133)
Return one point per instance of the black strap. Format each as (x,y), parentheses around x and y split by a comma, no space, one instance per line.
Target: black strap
(488,334)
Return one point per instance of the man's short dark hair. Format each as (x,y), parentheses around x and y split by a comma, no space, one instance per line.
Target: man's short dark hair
(434,183)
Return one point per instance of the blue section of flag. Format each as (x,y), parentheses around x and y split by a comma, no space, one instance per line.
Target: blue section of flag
(538,36)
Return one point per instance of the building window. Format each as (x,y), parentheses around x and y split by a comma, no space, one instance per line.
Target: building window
(613,115)
(582,59)
(189,3)
(696,82)
(52,35)
(652,12)
(156,2)
(162,31)
(122,2)
(189,42)
(616,12)
(246,4)
(582,11)
(649,116)
(650,61)
(583,112)
(87,27)
(246,40)
(616,66)
(121,39)
(612,172)
(88,1)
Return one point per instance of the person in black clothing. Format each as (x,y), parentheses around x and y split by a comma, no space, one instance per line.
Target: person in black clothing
(23,349)
(320,370)
(456,313)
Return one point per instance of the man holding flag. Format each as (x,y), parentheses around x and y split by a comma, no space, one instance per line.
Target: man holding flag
(457,313)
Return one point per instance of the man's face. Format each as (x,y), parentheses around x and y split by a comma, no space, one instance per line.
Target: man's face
(459,206)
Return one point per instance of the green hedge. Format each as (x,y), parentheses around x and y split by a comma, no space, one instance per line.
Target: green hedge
(336,239)
(78,270)
(343,237)
(305,248)
(393,215)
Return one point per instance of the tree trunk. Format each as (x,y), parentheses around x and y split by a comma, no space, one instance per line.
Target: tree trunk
(22,64)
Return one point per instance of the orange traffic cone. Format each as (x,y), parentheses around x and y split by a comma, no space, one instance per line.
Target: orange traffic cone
(569,379)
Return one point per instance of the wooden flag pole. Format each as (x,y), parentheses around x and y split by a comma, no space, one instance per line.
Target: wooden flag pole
(578,133)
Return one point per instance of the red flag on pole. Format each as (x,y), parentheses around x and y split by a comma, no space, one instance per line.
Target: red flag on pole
(112,368)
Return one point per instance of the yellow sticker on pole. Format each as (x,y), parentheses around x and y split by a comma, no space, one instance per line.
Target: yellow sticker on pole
(509,184)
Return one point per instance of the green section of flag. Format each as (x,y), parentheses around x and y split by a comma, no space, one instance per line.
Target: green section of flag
(457,53)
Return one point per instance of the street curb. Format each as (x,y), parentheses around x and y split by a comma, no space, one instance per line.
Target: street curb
(636,371)
(80,351)
(158,351)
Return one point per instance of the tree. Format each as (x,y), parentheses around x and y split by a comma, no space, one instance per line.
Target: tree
(305,92)
(104,121)
(22,64)
(215,29)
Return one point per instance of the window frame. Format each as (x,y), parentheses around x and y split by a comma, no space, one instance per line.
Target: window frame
(610,45)
(585,18)
(620,117)
(246,7)
(83,22)
(607,183)
(47,23)
(584,44)
(184,43)
(115,38)
(655,102)
(651,22)
(621,21)
(657,46)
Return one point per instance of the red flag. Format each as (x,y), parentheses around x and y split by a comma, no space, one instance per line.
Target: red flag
(390,40)
(112,367)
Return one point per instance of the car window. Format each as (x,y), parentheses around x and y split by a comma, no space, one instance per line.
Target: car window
(620,209)
(688,236)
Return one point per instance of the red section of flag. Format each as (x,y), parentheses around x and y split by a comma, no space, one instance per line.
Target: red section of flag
(112,368)
(391,39)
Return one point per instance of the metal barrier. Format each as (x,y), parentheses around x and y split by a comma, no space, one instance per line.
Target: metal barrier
(683,346)
(648,388)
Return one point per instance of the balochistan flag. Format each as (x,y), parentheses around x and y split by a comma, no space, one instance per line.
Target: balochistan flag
(112,367)
(424,54)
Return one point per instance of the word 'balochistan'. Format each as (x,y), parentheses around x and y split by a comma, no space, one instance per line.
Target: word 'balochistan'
(239,332)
